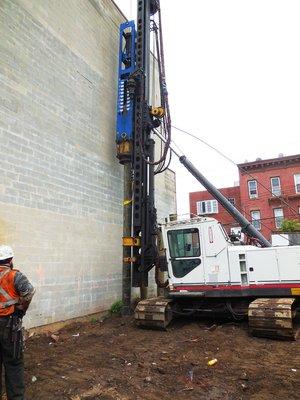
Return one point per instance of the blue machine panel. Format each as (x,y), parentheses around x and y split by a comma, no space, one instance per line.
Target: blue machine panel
(126,68)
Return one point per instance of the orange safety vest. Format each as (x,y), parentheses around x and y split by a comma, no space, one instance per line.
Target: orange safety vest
(8,294)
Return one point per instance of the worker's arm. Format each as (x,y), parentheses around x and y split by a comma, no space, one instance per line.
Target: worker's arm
(26,291)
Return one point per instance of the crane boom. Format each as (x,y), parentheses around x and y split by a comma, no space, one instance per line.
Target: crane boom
(246,226)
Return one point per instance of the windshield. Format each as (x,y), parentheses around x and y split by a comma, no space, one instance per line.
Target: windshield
(184,243)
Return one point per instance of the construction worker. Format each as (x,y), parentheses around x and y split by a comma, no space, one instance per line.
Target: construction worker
(16,293)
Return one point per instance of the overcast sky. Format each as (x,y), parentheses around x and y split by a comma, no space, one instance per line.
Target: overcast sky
(233,76)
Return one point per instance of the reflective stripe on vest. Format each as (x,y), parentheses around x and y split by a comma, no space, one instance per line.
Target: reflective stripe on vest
(9,300)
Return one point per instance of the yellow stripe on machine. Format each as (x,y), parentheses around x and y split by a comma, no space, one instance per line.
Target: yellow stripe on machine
(131,241)
(295,291)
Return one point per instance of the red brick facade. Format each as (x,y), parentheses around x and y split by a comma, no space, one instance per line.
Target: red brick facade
(277,175)
(222,215)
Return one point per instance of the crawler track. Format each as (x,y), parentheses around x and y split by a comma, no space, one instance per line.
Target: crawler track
(273,318)
(155,313)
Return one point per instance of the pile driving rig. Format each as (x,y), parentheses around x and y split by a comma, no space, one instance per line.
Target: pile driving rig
(207,273)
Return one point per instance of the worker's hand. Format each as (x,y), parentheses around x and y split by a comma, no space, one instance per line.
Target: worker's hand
(23,304)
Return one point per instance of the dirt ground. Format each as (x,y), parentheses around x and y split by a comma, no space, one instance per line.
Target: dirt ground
(113,359)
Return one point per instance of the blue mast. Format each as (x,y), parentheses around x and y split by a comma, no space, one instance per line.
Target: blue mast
(125,104)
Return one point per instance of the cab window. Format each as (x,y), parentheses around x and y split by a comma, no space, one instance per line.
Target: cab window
(184,243)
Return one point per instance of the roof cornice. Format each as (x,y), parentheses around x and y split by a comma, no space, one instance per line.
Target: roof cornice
(270,163)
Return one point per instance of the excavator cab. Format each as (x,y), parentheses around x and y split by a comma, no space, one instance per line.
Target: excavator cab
(196,251)
(185,251)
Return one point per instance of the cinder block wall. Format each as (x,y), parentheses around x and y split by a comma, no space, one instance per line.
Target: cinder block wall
(60,183)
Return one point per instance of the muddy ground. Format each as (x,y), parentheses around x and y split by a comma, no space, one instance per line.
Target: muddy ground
(115,360)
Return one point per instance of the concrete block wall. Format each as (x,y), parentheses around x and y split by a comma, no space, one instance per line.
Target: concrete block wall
(60,183)
(165,194)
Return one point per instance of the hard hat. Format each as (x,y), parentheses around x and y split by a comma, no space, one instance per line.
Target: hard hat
(6,252)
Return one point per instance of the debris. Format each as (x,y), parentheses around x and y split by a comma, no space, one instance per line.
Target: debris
(212,362)
(187,388)
(212,328)
(34,379)
(103,318)
(192,340)
(148,379)
(244,386)
(294,370)
(76,335)
(244,377)
(55,337)
(190,375)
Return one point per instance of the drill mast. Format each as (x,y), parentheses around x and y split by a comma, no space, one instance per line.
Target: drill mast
(136,122)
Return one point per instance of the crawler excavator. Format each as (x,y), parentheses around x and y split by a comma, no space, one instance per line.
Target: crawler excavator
(207,273)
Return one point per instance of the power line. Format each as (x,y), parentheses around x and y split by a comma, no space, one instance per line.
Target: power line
(234,163)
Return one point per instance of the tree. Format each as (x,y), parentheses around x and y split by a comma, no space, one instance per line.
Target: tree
(290,225)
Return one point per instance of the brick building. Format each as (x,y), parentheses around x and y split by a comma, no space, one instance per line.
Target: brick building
(203,202)
(269,192)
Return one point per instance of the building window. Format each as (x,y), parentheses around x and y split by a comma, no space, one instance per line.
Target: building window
(231,200)
(207,207)
(255,217)
(278,214)
(275,186)
(252,187)
(297,183)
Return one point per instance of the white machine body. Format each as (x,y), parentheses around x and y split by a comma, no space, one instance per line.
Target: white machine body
(201,258)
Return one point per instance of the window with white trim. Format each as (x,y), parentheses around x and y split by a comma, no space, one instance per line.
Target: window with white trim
(252,189)
(207,207)
(276,186)
(297,183)
(255,219)
(278,215)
